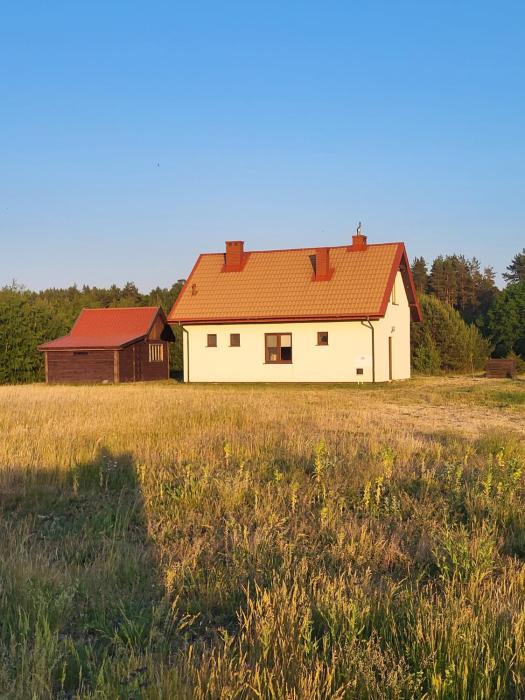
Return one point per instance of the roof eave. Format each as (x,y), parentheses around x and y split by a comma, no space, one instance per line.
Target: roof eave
(44,347)
(275,319)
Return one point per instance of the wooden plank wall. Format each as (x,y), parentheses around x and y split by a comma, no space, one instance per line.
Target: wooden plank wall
(152,371)
(157,329)
(69,366)
(127,365)
(501,369)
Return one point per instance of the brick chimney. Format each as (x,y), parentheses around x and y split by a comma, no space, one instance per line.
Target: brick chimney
(323,272)
(235,257)
(358,240)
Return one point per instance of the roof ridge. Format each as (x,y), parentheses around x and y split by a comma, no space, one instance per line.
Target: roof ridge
(314,247)
(118,308)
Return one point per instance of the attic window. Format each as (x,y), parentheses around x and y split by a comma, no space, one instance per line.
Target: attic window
(393,297)
(212,340)
(322,338)
(278,348)
(156,352)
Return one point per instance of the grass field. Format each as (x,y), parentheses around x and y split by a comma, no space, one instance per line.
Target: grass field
(175,541)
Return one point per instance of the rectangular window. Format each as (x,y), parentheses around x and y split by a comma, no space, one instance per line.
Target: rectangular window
(212,340)
(278,348)
(156,352)
(80,352)
(322,338)
(235,340)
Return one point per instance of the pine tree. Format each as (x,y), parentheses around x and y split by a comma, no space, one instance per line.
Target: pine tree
(420,275)
(487,292)
(437,282)
(450,280)
(506,320)
(516,269)
(459,282)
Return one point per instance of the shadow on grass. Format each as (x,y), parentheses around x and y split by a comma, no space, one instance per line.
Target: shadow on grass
(81,595)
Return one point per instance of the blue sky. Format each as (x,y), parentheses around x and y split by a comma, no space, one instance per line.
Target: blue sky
(134,136)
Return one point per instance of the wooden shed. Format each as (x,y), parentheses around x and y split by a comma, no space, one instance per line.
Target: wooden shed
(111,345)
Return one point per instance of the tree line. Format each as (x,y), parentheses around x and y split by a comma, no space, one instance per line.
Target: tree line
(465,317)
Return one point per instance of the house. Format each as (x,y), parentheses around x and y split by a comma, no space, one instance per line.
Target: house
(339,314)
(111,345)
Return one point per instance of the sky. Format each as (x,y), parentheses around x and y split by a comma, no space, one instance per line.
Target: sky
(136,135)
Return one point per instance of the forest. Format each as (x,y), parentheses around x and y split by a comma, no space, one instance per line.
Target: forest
(467,318)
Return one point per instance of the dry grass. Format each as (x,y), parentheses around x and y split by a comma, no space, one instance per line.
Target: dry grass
(166,540)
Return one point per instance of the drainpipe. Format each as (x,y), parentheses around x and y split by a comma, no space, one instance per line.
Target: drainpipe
(185,332)
(368,324)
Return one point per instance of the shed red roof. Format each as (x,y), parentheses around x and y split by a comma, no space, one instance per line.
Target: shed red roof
(107,328)
(281,285)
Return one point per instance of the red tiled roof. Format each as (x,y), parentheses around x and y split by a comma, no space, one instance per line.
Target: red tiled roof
(107,328)
(280,285)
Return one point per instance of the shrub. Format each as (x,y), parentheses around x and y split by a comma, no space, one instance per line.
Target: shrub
(443,341)
(426,358)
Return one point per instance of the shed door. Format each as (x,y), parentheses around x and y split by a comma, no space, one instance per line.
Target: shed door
(137,374)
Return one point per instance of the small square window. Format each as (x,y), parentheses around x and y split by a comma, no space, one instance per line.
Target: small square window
(212,340)
(322,338)
(235,340)
(359,370)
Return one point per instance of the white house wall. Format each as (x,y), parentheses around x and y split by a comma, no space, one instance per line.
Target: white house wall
(395,324)
(349,348)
